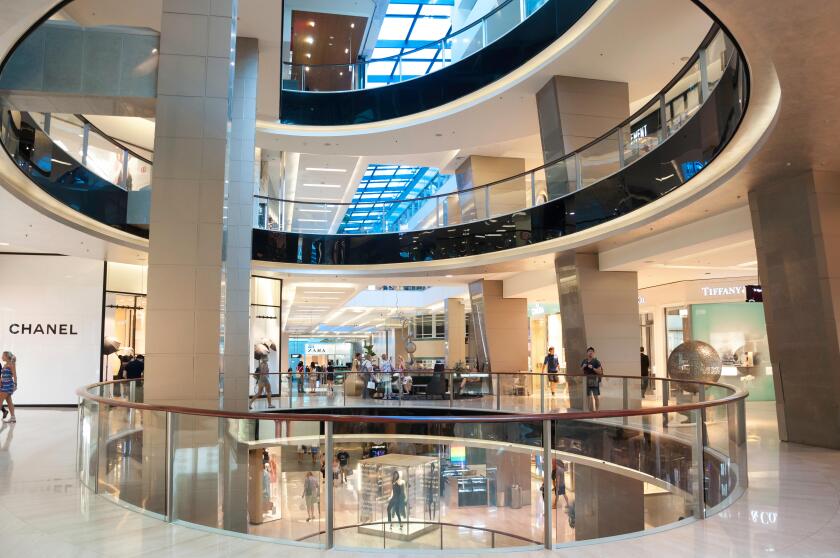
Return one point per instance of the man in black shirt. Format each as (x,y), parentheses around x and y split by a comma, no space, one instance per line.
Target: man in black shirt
(344,463)
(551,365)
(592,369)
(645,371)
(134,370)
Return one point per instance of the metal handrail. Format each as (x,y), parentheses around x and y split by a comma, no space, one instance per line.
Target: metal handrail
(735,395)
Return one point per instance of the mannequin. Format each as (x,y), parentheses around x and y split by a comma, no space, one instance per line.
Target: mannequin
(397,502)
(431,496)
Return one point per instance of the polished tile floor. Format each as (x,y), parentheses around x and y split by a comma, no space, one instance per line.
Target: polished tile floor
(791,509)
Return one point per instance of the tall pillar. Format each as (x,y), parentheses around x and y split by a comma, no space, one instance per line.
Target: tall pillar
(797,233)
(237,225)
(572,112)
(456,332)
(598,309)
(185,241)
(499,326)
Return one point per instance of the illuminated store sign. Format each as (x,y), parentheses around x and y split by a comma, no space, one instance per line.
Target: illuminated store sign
(723,291)
(638,134)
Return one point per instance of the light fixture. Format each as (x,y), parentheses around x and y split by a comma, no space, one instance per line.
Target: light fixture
(312,220)
(306,68)
(309,40)
(308,55)
(324,169)
(346,51)
(352,26)
(315,210)
(311,23)
(4,243)
(322,185)
(371,287)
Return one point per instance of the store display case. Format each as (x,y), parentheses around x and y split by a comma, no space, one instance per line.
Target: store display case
(399,496)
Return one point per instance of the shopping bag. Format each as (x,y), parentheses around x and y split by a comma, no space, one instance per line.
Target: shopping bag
(371,385)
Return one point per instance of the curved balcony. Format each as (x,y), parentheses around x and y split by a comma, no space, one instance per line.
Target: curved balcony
(471,456)
(659,149)
(82,167)
(463,62)
(656,151)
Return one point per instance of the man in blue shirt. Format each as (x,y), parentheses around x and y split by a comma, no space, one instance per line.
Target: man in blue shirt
(551,365)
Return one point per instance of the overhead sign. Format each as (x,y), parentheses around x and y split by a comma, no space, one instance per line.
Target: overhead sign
(723,291)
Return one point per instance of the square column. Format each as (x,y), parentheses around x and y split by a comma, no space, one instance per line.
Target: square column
(456,332)
(797,234)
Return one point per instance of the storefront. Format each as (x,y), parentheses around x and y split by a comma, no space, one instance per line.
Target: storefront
(715,312)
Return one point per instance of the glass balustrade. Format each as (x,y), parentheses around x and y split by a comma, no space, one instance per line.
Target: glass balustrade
(409,63)
(448,461)
(663,116)
(64,152)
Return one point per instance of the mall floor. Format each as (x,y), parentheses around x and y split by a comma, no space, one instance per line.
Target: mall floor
(792,507)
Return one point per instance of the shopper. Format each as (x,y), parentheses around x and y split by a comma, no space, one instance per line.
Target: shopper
(593,371)
(300,376)
(551,366)
(558,479)
(314,376)
(367,377)
(330,377)
(8,383)
(263,384)
(387,369)
(645,361)
(311,490)
(343,457)
(133,371)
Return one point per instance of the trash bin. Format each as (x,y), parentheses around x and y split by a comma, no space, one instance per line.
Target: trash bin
(515,497)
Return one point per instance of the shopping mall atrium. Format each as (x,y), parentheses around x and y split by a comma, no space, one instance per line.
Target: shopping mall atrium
(419,278)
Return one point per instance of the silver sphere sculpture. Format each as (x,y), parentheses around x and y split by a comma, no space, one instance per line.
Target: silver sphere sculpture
(694,360)
(410,347)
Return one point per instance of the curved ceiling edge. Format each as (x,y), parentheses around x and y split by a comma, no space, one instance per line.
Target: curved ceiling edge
(560,46)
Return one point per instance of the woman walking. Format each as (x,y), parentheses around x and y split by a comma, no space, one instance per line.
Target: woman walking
(8,382)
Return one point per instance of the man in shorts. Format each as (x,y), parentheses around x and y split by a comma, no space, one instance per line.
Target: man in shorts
(343,457)
(551,365)
(263,386)
(592,371)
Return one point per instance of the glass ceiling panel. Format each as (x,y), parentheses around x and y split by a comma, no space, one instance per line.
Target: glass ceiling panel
(381,183)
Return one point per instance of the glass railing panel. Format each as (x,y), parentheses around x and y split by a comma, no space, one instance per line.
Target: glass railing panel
(68,134)
(561,178)
(652,478)
(105,159)
(539,187)
(718,53)
(488,466)
(135,458)
(683,100)
(88,437)
(503,20)
(139,174)
(467,41)
(286,481)
(642,135)
(508,196)
(599,160)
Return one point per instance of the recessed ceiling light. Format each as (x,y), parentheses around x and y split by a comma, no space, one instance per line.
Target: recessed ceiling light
(352,26)
(315,210)
(308,55)
(449,275)
(312,220)
(309,40)
(324,169)
(4,243)
(346,51)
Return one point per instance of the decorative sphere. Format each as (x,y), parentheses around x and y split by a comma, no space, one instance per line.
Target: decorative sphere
(694,360)
(410,347)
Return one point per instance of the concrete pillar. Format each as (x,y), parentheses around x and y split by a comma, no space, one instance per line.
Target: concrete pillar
(241,185)
(599,309)
(797,233)
(456,331)
(572,112)
(500,325)
(185,243)
(503,198)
